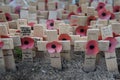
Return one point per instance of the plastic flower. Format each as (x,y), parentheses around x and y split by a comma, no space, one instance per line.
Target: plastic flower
(54,47)
(8,17)
(50,24)
(104,14)
(81,30)
(64,37)
(70,14)
(100,6)
(112,16)
(4,36)
(90,18)
(79,10)
(116,9)
(112,44)
(1,44)
(17,9)
(92,47)
(27,43)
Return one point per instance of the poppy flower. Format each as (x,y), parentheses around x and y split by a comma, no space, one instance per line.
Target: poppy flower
(79,10)
(81,30)
(100,37)
(90,18)
(17,31)
(104,14)
(112,16)
(112,44)
(31,24)
(116,9)
(17,9)
(64,37)
(8,17)
(1,44)
(50,24)
(54,47)
(92,47)
(70,14)
(115,35)
(100,6)
(27,43)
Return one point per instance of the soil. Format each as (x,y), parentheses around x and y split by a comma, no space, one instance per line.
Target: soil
(40,69)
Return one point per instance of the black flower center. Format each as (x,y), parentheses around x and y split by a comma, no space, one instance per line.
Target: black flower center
(51,24)
(53,46)
(81,30)
(7,17)
(92,46)
(110,44)
(101,7)
(90,20)
(64,39)
(117,10)
(103,14)
(26,42)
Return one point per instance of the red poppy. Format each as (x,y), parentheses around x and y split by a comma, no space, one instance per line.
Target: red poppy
(112,44)
(50,24)
(115,35)
(54,47)
(27,43)
(4,36)
(70,14)
(17,9)
(64,37)
(79,10)
(1,44)
(100,6)
(8,17)
(31,24)
(92,47)
(116,9)
(17,31)
(100,37)
(104,14)
(81,30)
(90,18)
(112,16)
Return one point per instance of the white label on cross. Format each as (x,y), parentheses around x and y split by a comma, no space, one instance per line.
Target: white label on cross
(51,35)
(116,28)
(52,15)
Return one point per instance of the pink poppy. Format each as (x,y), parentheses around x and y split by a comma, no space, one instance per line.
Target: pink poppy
(64,37)
(50,24)
(54,47)
(81,30)
(70,14)
(27,43)
(116,9)
(100,6)
(112,44)
(8,17)
(79,10)
(1,44)
(17,9)
(90,18)
(92,47)
(104,14)
(112,16)
(31,24)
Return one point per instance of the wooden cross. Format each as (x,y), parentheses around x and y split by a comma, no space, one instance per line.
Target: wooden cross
(8,53)
(56,57)
(110,58)
(90,60)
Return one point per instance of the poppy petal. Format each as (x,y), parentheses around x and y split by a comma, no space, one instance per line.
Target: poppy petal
(104,14)
(116,9)
(92,47)
(58,47)
(1,44)
(70,14)
(64,37)
(50,24)
(90,18)
(49,48)
(81,30)
(112,44)
(27,43)
(100,6)
(8,17)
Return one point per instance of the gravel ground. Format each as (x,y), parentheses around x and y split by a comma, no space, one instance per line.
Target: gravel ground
(72,70)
